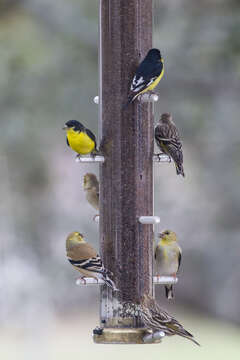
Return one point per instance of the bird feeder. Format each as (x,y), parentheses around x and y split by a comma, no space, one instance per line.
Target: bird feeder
(126,173)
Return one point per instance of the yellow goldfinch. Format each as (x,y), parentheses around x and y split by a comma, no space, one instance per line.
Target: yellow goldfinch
(156,319)
(168,257)
(168,140)
(91,187)
(86,260)
(147,76)
(79,138)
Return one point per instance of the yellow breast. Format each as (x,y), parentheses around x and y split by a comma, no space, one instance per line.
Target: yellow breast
(154,84)
(80,142)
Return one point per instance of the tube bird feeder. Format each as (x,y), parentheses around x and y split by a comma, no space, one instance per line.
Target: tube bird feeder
(126,175)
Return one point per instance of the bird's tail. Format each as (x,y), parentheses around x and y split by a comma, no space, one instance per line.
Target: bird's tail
(179,169)
(131,98)
(187,335)
(169,292)
(109,282)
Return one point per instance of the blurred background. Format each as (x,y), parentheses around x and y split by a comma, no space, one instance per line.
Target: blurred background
(49,74)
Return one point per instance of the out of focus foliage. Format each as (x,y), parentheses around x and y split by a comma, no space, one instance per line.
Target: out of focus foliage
(49,74)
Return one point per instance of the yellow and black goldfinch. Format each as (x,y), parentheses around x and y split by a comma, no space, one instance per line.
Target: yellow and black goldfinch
(147,76)
(167,257)
(91,187)
(86,260)
(79,138)
(168,140)
(156,319)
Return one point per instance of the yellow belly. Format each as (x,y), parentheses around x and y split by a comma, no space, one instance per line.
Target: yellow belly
(154,84)
(80,142)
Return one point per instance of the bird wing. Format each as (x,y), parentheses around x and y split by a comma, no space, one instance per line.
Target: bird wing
(167,138)
(82,251)
(93,264)
(146,74)
(166,132)
(91,135)
(179,258)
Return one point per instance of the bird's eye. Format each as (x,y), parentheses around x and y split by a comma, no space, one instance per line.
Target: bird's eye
(167,232)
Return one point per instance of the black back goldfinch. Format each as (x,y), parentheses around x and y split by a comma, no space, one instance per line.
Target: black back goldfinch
(167,257)
(168,140)
(80,139)
(148,75)
(157,319)
(86,260)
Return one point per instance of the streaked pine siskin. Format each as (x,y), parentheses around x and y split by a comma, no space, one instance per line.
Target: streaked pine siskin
(157,319)
(168,140)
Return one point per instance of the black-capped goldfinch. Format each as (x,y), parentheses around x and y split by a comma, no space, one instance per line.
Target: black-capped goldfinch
(91,188)
(80,139)
(167,257)
(147,76)
(168,140)
(157,319)
(86,260)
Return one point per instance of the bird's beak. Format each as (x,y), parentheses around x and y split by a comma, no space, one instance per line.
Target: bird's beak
(160,235)
(65,127)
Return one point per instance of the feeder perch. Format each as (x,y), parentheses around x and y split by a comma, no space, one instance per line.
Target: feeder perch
(149,219)
(96,100)
(161,158)
(96,218)
(165,280)
(90,159)
(153,337)
(148,97)
(157,280)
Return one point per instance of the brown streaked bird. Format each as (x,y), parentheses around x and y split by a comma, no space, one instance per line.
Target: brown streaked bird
(157,319)
(91,188)
(86,260)
(167,258)
(168,140)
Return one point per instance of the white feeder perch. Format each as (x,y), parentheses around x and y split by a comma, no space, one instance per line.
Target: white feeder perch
(149,219)
(96,100)
(153,337)
(89,281)
(90,159)
(165,280)
(161,158)
(148,97)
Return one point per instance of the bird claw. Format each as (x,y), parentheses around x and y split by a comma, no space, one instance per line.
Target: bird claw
(81,280)
(96,218)
(159,156)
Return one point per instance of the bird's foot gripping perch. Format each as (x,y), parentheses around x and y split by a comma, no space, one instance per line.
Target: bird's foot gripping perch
(81,280)
(161,155)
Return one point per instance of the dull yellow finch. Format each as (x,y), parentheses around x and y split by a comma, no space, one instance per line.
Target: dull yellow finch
(91,188)
(167,257)
(168,141)
(156,319)
(86,260)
